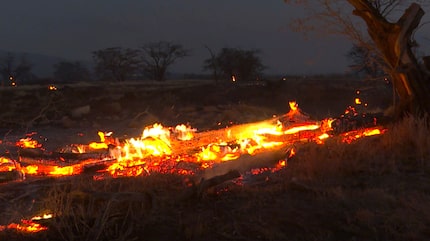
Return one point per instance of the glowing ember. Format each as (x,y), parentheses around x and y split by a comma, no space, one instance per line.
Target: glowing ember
(306,127)
(293,105)
(31,169)
(7,165)
(28,143)
(354,135)
(372,132)
(28,225)
(104,141)
(357,101)
(62,171)
(52,87)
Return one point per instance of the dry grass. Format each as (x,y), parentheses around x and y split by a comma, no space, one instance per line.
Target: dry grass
(374,189)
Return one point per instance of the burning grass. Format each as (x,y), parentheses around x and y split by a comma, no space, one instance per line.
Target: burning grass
(374,188)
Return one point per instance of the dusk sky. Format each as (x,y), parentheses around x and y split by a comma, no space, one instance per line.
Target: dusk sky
(73,29)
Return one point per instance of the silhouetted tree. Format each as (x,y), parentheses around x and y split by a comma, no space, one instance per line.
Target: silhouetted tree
(392,38)
(13,72)
(211,64)
(67,72)
(242,64)
(367,62)
(157,57)
(116,63)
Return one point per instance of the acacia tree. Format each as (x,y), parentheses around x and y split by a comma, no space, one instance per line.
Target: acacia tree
(116,63)
(389,37)
(158,56)
(12,71)
(242,64)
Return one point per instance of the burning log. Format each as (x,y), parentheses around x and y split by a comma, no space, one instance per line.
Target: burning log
(227,171)
(225,135)
(247,162)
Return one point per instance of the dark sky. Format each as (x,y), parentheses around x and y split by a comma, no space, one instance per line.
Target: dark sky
(74,28)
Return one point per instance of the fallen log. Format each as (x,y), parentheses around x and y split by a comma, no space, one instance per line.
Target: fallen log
(226,135)
(227,171)
(246,162)
(215,181)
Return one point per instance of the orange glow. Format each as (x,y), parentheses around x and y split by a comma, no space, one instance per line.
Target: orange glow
(293,105)
(322,137)
(28,225)
(44,216)
(31,169)
(62,171)
(184,133)
(103,144)
(372,132)
(282,163)
(28,143)
(292,153)
(357,101)
(6,164)
(97,146)
(155,142)
(50,170)
(351,136)
(305,127)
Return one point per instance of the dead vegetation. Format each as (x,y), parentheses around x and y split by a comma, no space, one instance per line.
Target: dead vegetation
(376,188)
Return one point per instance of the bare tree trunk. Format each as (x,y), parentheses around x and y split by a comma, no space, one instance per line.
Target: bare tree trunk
(394,40)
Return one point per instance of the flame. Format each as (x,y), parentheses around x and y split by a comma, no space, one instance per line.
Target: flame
(28,143)
(302,127)
(293,105)
(51,170)
(31,169)
(357,101)
(28,225)
(104,142)
(184,133)
(155,141)
(351,136)
(7,165)
(372,132)
(62,171)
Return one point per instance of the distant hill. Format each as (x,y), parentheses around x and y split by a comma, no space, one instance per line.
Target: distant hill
(42,65)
